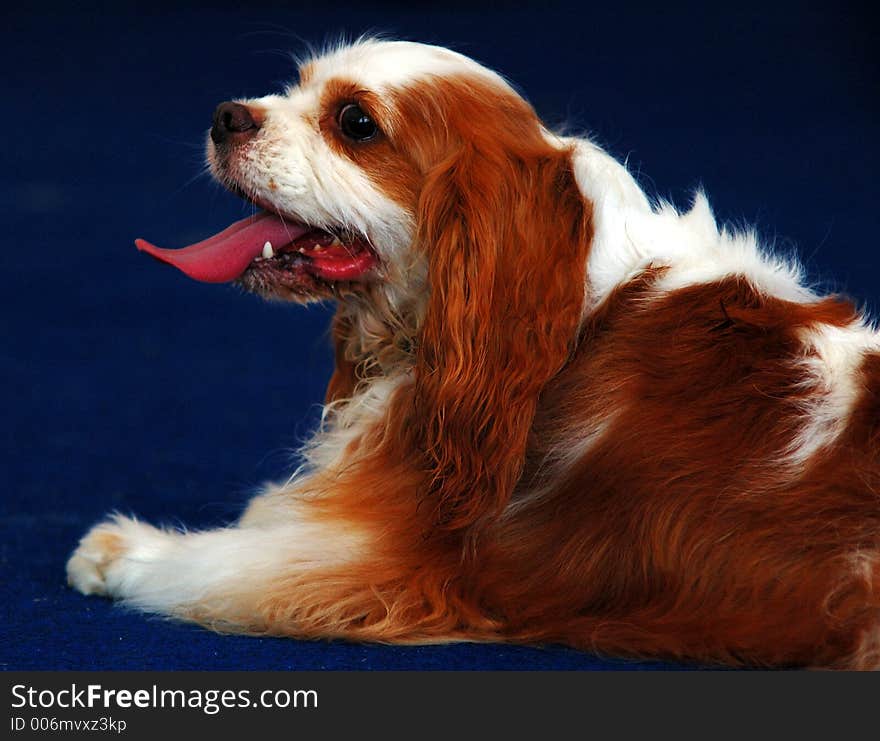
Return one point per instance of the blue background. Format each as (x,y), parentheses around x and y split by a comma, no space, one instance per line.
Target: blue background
(126,386)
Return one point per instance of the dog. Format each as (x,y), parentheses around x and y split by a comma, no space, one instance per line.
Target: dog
(561,412)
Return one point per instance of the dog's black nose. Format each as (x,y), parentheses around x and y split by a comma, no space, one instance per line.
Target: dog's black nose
(231,119)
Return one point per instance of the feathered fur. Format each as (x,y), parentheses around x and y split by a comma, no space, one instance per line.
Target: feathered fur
(559,413)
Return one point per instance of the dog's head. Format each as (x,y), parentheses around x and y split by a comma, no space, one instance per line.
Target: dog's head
(359,168)
(409,174)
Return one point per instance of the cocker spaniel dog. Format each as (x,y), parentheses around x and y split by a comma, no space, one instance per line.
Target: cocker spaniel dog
(560,412)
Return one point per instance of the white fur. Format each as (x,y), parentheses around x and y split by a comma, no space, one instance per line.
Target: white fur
(170,572)
(343,423)
(630,234)
(384,65)
(167,571)
(832,359)
(290,166)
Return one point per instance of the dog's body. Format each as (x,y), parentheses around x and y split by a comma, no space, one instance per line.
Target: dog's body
(559,413)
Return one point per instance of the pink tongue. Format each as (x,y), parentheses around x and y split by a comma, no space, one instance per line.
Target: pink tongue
(225,256)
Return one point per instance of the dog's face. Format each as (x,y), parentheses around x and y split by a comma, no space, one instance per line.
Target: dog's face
(345,158)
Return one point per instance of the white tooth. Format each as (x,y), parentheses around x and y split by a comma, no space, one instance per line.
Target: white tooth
(302,250)
(268,251)
(335,241)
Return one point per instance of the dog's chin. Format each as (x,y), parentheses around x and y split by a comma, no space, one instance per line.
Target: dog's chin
(287,281)
(286,277)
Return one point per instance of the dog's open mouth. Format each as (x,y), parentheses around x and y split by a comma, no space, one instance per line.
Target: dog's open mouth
(270,250)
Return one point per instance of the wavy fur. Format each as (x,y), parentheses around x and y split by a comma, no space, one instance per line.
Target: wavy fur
(559,413)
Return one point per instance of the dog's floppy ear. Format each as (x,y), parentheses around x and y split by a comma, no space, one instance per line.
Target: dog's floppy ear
(506,233)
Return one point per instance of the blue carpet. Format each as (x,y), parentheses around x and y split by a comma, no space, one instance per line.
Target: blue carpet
(127,386)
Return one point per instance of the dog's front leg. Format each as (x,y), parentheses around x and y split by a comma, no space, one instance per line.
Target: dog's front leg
(224,578)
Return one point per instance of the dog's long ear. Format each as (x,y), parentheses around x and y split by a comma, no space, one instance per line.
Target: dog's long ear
(506,233)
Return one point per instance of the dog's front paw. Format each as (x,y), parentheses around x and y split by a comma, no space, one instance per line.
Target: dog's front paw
(99,563)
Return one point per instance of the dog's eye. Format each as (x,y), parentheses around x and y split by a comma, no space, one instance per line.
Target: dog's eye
(356,124)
